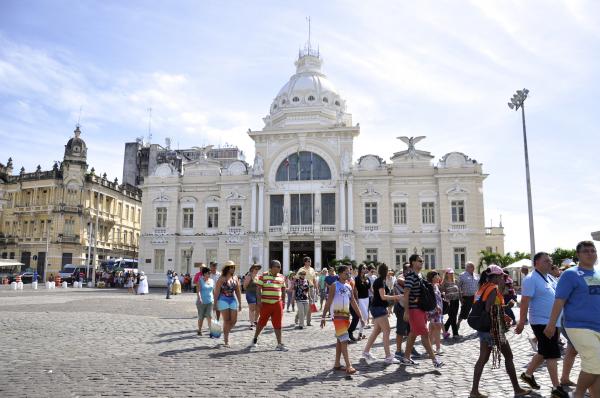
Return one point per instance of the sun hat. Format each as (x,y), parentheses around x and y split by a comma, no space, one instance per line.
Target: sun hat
(495,270)
(449,271)
(228,263)
(258,266)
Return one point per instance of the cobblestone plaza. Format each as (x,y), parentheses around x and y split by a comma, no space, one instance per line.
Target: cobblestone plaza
(89,342)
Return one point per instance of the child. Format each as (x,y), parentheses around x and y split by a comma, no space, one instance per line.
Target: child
(436,317)
(339,299)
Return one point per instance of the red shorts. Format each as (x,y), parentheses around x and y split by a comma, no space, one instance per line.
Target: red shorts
(418,321)
(273,311)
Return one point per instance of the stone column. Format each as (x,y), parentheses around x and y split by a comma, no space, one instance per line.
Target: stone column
(350,207)
(261,206)
(286,258)
(318,260)
(342,200)
(253,209)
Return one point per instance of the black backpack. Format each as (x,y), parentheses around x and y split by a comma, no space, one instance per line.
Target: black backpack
(479,319)
(427,300)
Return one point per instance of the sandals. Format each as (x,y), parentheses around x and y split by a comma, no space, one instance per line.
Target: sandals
(524,392)
(341,368)
(477,395)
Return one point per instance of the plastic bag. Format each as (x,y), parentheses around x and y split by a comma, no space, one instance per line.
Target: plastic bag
(215,329)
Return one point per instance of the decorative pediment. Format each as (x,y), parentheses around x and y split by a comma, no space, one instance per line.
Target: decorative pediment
(188,200)
(370,192)
(202,167)
(370,162)
(235,195)
(161,197)
(237,168)
(457,189)
(399,194)
(455,160)
(212,199)
(165,170)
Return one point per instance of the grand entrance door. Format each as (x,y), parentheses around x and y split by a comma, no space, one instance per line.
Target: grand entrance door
(299,250)
(327,252)
(275,253)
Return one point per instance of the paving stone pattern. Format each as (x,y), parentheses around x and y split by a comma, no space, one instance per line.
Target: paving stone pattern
(93,343)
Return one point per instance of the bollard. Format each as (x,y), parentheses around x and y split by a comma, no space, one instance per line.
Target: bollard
(80,285)
(90,284)
(75,285)
(34,285)
(64,285)
(20,285)
(13,285)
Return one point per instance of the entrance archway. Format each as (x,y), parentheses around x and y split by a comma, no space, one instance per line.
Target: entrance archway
(299,250)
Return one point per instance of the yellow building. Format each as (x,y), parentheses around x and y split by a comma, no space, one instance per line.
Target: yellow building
(66,215)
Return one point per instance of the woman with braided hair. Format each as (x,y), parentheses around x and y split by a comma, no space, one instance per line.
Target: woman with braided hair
(494,342)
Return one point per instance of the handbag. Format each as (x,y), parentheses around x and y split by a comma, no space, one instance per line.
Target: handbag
(313,308)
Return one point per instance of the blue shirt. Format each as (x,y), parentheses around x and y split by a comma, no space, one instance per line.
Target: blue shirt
(330,279)
(541,290)
(580,289)
(206,291)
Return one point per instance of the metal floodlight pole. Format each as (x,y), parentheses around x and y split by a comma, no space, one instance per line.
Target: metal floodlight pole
(518,101)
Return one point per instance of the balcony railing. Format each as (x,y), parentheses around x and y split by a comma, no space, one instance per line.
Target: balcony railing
(371,228)
(327,228)
(275,229)
(235,230)
(68,238)
(301,229)
(458,227)
(160,231)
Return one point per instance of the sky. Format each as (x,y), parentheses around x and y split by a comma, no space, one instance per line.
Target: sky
(210,69)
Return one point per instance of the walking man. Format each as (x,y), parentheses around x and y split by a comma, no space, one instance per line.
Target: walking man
(311,277)
(169,283)
(215,275)
(578,293)
(539,288)
(468,284)
(270,294)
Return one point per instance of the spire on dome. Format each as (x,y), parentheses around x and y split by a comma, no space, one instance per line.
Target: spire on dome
(308,50)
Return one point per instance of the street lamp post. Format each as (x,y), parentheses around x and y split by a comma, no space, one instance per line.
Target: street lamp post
(518,102)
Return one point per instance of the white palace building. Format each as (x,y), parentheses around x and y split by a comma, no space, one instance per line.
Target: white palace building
(305,196)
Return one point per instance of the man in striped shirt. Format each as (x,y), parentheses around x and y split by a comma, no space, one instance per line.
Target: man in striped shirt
(270,294)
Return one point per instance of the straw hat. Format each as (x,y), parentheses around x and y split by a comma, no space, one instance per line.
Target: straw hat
(228,263)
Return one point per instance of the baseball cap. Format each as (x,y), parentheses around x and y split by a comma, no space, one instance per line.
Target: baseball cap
(449,271)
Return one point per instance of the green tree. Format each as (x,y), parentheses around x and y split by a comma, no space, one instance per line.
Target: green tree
(559,254)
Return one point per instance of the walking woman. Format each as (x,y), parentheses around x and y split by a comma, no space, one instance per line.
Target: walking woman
(494,342)
(379,311)
(205,299)
(250,288)
(361,291)
(436,316)
(229,299)
(129,283)
(451,294)
(290,290)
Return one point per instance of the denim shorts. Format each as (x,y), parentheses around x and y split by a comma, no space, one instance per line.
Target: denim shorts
(227,303)
(377,312)
(485,337)
(251,297)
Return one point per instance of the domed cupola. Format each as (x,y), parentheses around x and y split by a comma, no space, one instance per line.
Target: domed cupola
(308,98)
(76,150)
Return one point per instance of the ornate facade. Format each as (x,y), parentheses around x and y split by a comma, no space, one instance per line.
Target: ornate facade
(305,196)
(54,215)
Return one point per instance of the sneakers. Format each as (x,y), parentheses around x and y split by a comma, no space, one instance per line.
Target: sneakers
(407,362)
(391,360)
(253,345)
(558,392)
(439,352)
(437,363)
(530,380)
(281,347)
(367,356)
(399,355)
(299,327)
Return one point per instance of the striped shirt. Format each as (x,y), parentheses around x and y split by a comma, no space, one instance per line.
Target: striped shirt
(412,281)
(271,287)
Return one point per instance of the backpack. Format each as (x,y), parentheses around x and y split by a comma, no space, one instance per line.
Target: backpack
(427,300)
(479,319)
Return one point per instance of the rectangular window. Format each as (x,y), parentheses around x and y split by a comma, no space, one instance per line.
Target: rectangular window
(161,217)
(127,212)
(276,210)
(328,208)
(188,218)
(428,212)
(159,260)
(69,227)
(371,213)
(460,257)
(211,255)
(399,213)
(212,217)
(458,211)
(139,215)
(120,209)
(429,258)
(371,254)
(400,257)
(235,217)
(301,208)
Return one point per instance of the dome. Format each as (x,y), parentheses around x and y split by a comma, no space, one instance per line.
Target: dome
(76,146)
(309,97)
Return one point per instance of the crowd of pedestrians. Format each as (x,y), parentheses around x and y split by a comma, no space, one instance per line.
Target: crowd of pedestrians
(560,307)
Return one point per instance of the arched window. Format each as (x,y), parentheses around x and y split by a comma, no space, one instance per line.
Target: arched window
(302,166)
(311,98)
(295,99)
